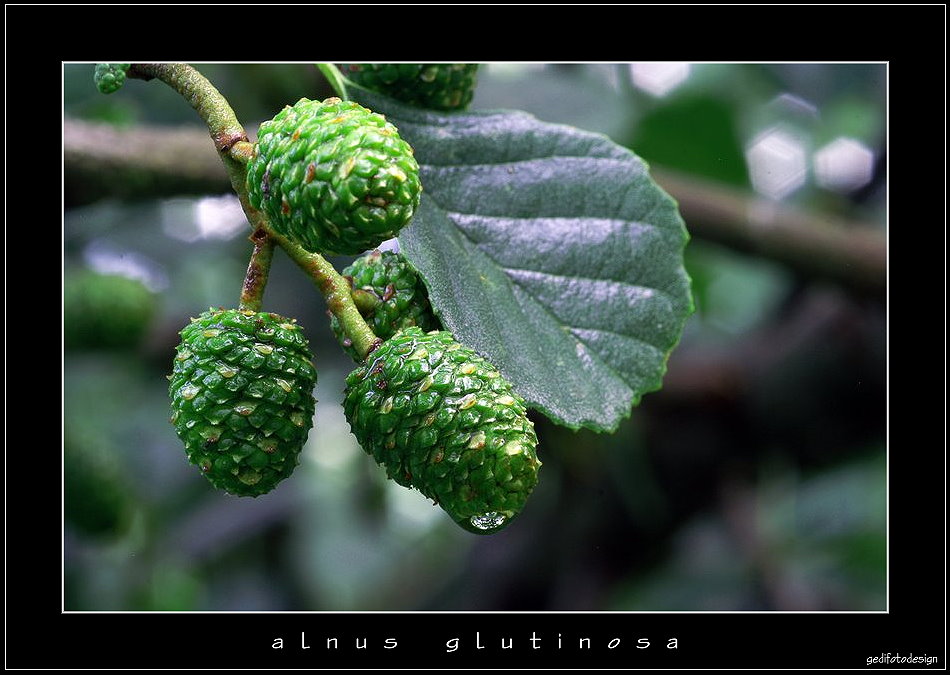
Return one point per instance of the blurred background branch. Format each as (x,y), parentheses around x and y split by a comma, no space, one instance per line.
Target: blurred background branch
(145,162)
(102,160)
(812,244)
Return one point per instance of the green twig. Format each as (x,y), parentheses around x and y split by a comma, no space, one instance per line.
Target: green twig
(336,290)
(335,78)
(235,151)
(258,269)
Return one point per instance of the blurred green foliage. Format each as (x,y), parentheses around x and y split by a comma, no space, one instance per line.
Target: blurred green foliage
(754,480)
(695,134)
(105,311)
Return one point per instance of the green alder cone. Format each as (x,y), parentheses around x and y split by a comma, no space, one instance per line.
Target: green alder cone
(389,294)
(442,419)
(242,397)
(109,77)
(438,86)
(96,499)
(105,311)
(333,176)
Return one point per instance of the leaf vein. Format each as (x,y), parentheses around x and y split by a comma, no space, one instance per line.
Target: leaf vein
(625,336)
(627,162)
(595,355)
(595,219)
(659,291)
(550,312)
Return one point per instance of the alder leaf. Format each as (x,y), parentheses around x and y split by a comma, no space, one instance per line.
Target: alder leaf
(551,252)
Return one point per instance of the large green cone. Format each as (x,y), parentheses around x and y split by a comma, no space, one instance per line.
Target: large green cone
(333,176)
(439,86)
(242,397)
(389,294)
(443,420)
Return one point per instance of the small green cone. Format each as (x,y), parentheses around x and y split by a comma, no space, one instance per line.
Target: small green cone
(333,176)
(438,86)
(242,398)
(389,294)
(442,419)
(109,77)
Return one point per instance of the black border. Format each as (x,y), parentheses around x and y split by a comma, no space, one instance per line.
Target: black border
(912,39)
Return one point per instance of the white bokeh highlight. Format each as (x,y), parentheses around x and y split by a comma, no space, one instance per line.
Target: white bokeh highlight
(105,257)
(791,105)
(777,165)
(844,165)
(658,79)
(512,71)
(192,220)
(220,217)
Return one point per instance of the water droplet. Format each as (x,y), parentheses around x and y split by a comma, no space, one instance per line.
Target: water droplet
(486,523)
